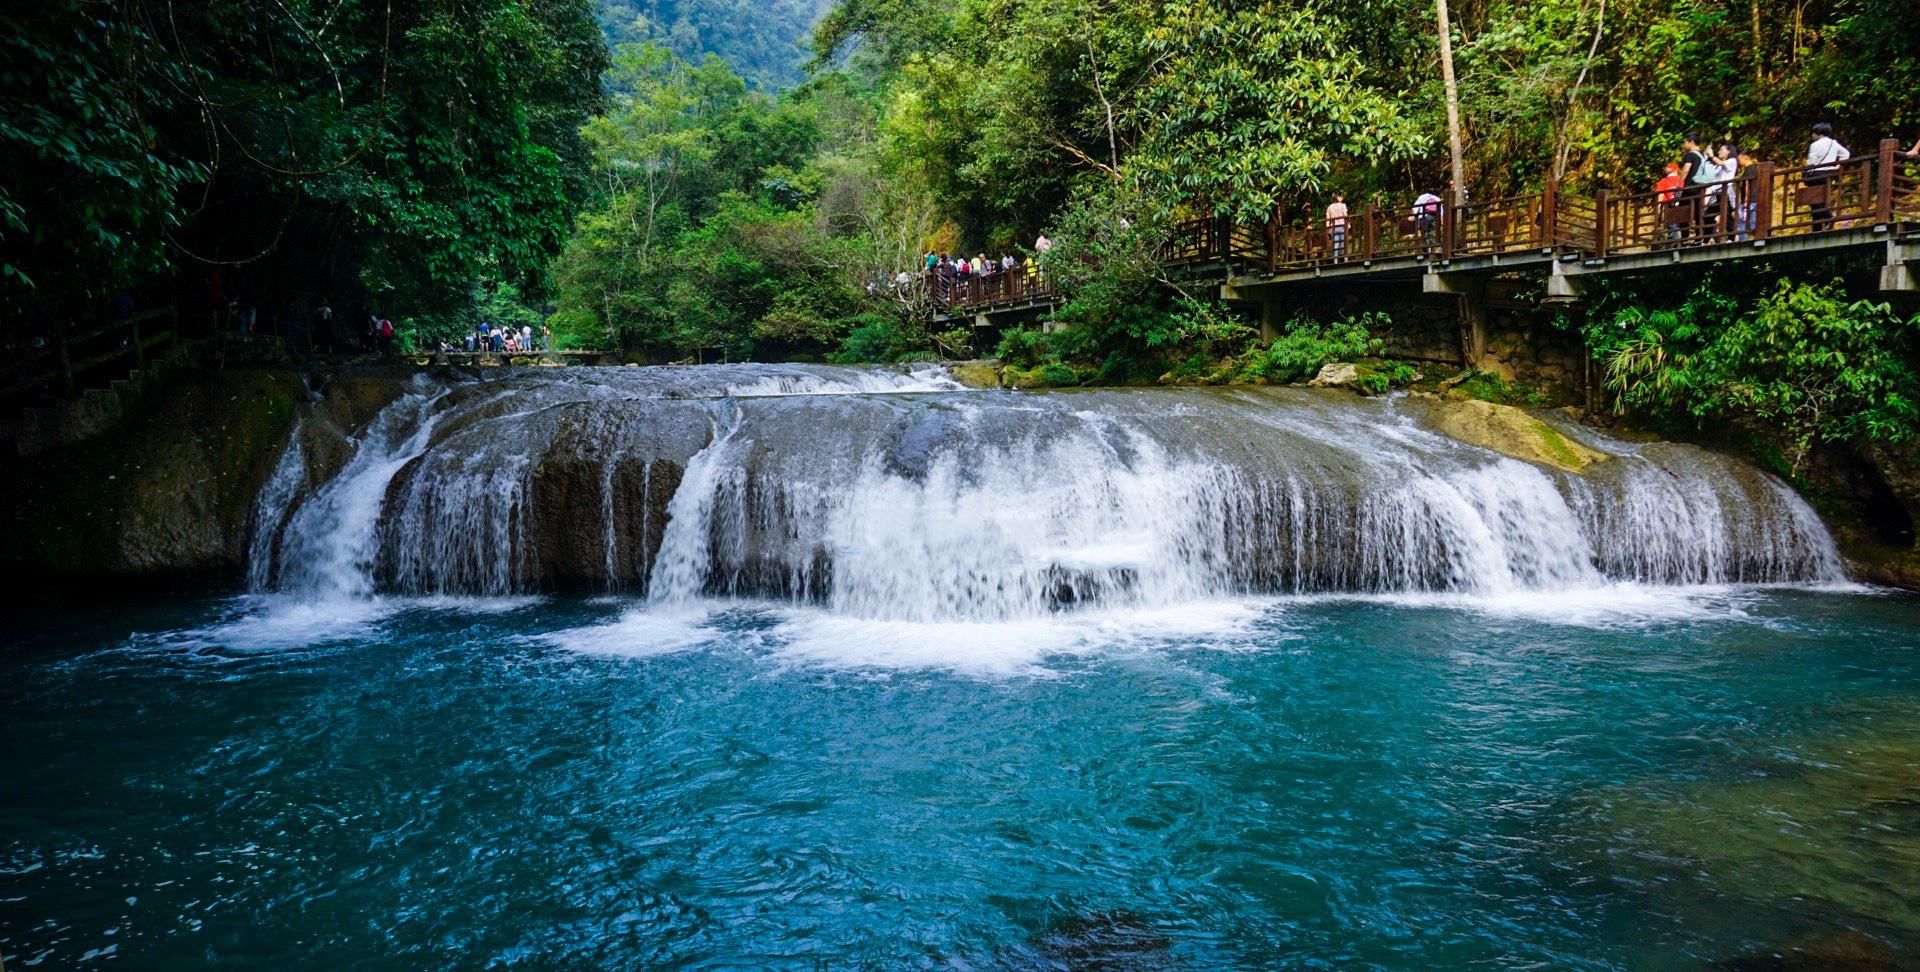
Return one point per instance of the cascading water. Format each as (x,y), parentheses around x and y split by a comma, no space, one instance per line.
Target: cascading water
(830,486)
(325,545)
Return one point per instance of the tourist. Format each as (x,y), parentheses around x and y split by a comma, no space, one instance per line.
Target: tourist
(526,337)
(1042,246)
(497,336)
(1337,225)
(1426,215)
(1747,195)
(1715,172)
(933,260)
(1694,176)
(1823,163)
(1666,196)
(546,338)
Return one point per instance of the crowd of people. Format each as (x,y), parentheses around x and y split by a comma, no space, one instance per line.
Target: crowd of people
(958,268)
(503,339)
(1708,192)
(944,274)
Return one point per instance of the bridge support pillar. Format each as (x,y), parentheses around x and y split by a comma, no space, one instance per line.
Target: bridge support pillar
(1899,274)
(1273,321)
(1561,288)
(1898,277)
(1470,289)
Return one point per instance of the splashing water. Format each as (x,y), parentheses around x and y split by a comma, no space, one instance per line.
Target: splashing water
(891,496)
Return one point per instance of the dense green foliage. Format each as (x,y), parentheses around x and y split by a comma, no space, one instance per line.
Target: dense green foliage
(1794,364)
(765,42)
(727,219)
(1306,345)
(387,154)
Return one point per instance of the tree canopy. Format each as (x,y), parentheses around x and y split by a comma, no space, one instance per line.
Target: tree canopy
(390,152)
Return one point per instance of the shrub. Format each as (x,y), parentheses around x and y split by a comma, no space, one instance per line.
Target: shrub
(1307,345)
(1800,365)
(878,338)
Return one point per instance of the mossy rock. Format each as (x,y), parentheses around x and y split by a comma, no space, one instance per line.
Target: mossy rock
(1044,376)
(975,374)
(1511,432)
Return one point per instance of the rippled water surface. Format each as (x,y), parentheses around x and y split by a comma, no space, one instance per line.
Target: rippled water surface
(1624,778)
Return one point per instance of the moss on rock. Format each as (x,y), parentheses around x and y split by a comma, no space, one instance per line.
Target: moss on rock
(1509,431)
(976,374)
(167,493)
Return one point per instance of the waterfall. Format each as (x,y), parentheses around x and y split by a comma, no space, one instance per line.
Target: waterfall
(270,509)
(330,543)
(893,495)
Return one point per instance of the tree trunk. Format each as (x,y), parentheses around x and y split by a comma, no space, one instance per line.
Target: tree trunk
(1458,195)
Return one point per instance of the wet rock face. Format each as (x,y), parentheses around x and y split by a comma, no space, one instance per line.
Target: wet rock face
(945,504)
(598,503)
(166,494)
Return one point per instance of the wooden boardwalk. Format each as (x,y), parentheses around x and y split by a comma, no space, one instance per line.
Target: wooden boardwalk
(490,359)
(1868,201)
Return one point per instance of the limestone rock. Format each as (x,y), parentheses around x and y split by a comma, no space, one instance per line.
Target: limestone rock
(976,374)
(1511,432)
(166,495)
(1339,374)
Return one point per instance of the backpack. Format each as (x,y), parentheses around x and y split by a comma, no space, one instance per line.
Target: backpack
(386,328)
(1704,170)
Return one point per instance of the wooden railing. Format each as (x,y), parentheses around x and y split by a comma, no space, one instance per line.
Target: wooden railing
(985,291)
(70,357)
(1770,202)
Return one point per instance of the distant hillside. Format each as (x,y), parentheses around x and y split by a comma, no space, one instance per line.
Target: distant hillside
(762,39)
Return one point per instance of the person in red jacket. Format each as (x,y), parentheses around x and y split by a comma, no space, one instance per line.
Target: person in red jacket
(1669,189)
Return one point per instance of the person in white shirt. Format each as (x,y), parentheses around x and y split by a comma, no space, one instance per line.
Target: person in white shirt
(1823,163)
(1337,226)
(1426,213)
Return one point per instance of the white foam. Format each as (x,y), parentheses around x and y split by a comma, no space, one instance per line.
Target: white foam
(846,381)
(263,623)
(639,632)
(1000,648)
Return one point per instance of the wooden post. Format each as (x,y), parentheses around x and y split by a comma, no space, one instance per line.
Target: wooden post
(1883,183)
(1369,224)
(1600,224)
(1550,215)
(1449,219)
(1273,240)
(1763,200)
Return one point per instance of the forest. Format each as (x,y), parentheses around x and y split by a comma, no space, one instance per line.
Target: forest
(685,181)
